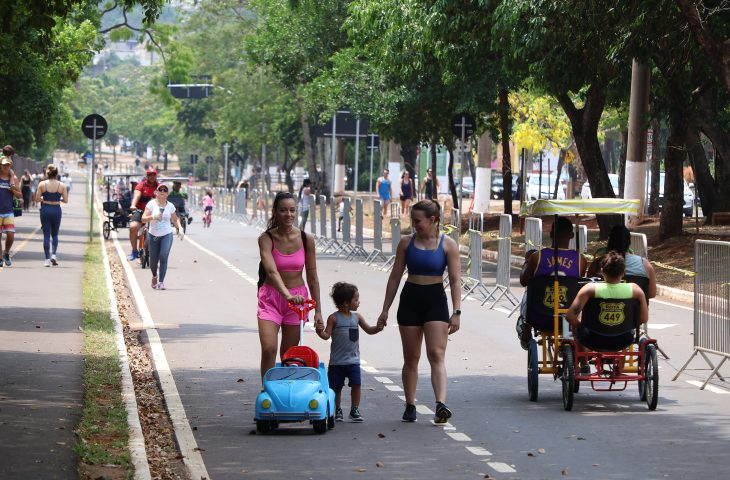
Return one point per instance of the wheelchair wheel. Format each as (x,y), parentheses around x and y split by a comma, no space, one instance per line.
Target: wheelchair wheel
(652,377)
(568,377)
(533,371)
(106,229)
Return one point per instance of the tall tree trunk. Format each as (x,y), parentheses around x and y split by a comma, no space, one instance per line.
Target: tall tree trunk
(309,151)
(504,127)
(655,170)
(584,125)
(434,164)
(622,162)
(452,186)
(670,224)
(409,153)
(561,162)
(704,183)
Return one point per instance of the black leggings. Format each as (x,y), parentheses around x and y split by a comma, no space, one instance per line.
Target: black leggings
(422,303)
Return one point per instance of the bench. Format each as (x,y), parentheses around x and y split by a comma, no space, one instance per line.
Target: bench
(721,218)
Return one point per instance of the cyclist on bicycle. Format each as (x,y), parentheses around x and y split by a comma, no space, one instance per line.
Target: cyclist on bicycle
(143,193)
(208,203)
(179,199)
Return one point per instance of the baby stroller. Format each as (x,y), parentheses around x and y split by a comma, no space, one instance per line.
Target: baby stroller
(116,218)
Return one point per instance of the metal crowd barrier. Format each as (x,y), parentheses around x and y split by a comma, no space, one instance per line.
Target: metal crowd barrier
(394,235)
(455,223)
(533,234)
(312,220)
(473,283)
(711,306)
(501,290)
(377,234)
(322,239)
(358,249)
(580,232)
(346,245)
(639,245)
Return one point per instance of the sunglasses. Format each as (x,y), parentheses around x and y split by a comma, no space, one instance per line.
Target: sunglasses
(162,190)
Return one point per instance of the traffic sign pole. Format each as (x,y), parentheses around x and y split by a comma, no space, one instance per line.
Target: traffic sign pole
(357,155)
(372,151)
(93,171)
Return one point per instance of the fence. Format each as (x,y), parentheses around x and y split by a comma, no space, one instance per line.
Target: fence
(394,235)
(455,223)
(711,305)
(638,245)
(377,234)
(358,250)
(533,234)
(501,290)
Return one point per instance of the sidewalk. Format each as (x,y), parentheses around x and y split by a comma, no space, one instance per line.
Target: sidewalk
(41,345)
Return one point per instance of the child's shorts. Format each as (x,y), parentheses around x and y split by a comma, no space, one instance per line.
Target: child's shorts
(274,307)
(336,374)
(7,222)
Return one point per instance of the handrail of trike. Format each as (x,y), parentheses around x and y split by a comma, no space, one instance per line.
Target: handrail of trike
(594,206)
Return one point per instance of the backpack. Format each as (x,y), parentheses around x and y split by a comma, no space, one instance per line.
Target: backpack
(262,270)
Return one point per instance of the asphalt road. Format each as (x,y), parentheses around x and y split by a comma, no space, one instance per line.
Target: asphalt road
(206,321)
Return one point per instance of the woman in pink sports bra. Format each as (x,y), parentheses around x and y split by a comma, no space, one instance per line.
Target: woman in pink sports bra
(284,259)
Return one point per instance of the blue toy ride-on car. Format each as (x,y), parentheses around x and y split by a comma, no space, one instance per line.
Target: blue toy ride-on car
(297,389)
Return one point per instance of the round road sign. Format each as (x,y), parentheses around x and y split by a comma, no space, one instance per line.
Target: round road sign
(94,126)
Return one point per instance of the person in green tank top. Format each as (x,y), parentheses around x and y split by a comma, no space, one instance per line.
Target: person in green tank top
(613,267)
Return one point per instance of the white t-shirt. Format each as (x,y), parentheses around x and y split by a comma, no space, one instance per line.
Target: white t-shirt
(160,228)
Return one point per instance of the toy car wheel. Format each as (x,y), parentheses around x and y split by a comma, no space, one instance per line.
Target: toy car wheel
(263,426)
(652,377)
(330,421)
(568,377)
(320,426)
(106,229)
(533,371)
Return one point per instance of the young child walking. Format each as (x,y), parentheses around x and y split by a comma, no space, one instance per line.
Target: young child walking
(343,327)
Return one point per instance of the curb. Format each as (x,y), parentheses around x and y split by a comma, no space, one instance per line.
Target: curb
(137,451)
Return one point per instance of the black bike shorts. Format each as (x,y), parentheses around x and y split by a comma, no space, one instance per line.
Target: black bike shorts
(136,216)
(422,303)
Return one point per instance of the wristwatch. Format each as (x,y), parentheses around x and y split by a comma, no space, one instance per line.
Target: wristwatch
(457,312)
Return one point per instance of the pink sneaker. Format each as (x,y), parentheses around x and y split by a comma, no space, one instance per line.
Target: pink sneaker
(154,282)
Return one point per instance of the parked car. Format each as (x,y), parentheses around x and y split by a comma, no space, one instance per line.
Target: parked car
(585,191)
(687,194)
(543,186)
(497,192)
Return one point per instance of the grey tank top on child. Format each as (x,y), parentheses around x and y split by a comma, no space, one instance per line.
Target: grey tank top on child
(345,347)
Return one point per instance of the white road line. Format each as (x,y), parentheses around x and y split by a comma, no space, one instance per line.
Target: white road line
(369,369)
(459,437)
(402,398)
(501,467)
(384,379)
(424,409)
(662,326)
(183,432)
(225,262)
(710,388)
(503,310)
(479,451)
(394,388)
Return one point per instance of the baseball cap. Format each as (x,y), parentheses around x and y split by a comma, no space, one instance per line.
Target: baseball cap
(152,170)
(6,161)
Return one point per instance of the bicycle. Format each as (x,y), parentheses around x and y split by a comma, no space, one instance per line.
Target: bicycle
(144,249)
(207,218)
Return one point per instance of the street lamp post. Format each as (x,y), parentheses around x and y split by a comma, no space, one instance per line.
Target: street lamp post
(226,146)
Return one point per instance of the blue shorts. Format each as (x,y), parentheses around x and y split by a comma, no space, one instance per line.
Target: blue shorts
(336,374)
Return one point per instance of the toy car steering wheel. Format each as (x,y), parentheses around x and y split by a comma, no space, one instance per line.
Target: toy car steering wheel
(303,308)
(294,361)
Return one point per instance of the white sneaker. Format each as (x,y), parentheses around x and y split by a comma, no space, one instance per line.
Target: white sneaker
(160,286)
(54,261)
(46,263)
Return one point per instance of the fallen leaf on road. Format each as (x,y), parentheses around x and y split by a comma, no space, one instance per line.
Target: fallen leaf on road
(240,380)
(530,454)
(488,476)
(581,438)
(379,464)
(540,450)
(596,464)
(381,435)
(361,470)
(198,449)
(516,431)
(564,472)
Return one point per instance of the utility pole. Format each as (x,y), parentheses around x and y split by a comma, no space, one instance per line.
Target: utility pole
(225,164)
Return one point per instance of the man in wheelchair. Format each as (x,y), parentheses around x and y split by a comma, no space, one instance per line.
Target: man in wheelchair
(179,200)
(541,263)
(608,326)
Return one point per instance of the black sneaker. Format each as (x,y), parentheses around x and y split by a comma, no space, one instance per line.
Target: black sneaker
(410,414)
(442,413)
(355,415)
(524,333)
(8,262)
(339,417)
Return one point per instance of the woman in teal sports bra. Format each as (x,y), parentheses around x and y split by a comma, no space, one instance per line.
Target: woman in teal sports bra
(423,310)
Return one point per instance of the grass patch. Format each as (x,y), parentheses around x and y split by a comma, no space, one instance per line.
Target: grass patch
(103,431)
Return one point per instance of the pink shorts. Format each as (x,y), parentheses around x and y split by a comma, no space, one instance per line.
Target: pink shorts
(274,307)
